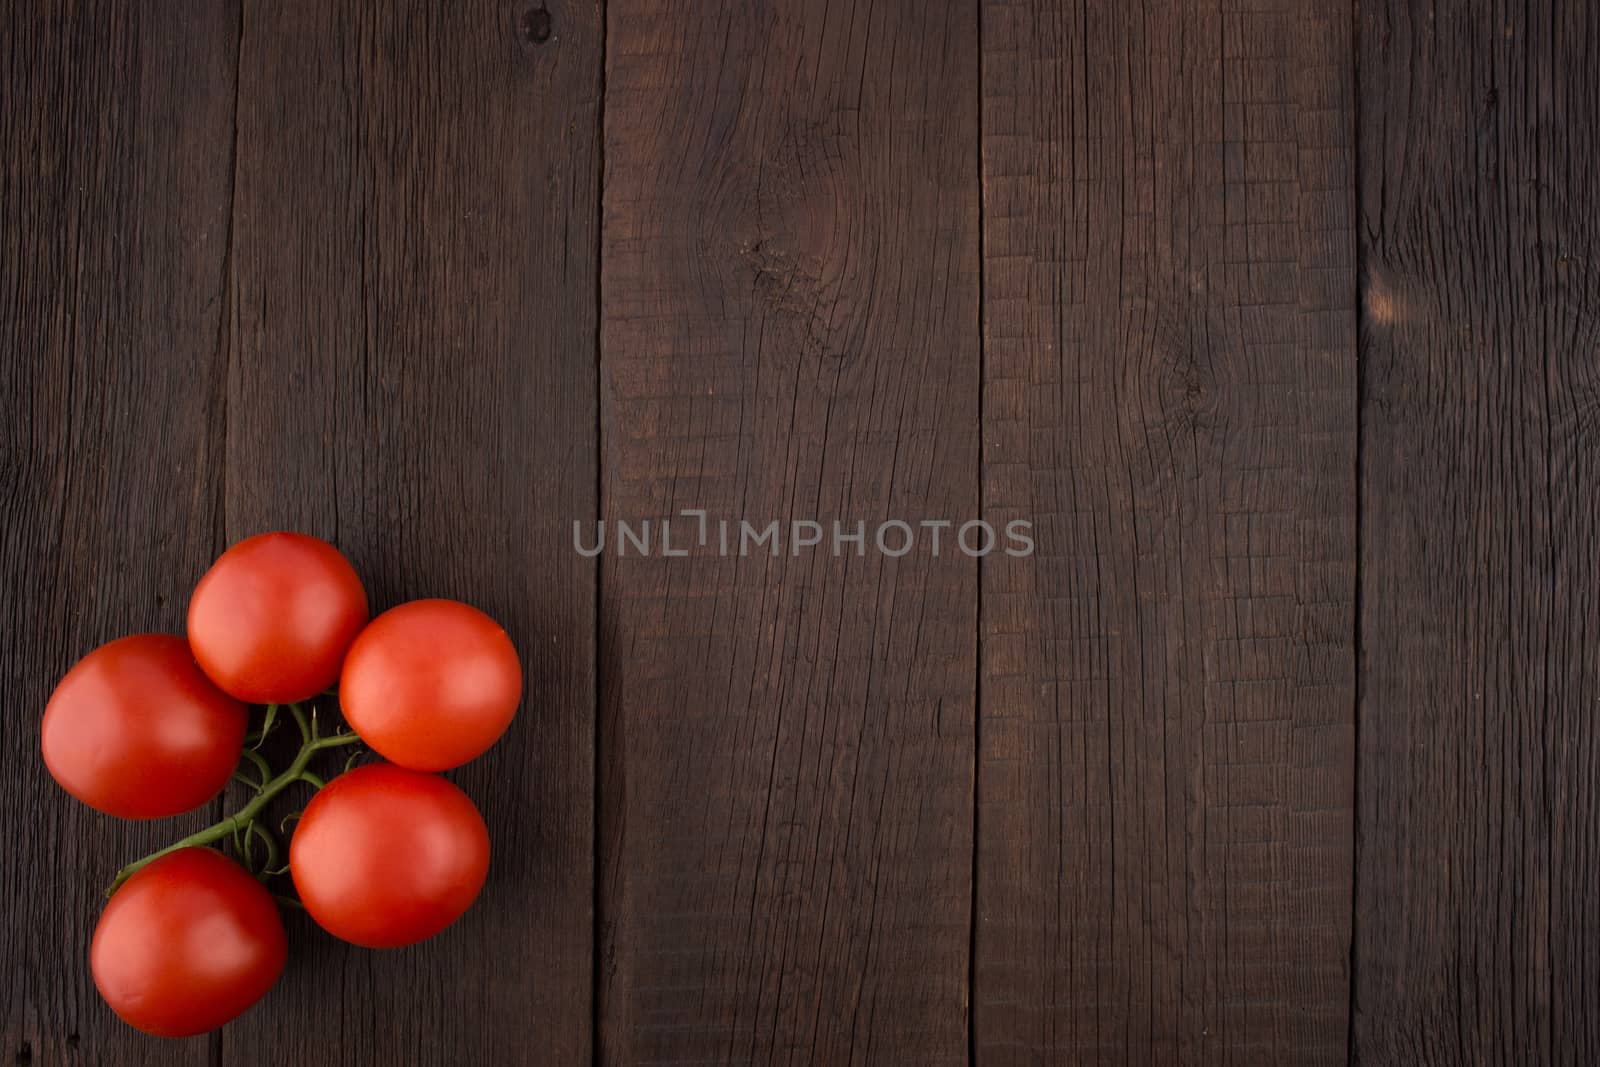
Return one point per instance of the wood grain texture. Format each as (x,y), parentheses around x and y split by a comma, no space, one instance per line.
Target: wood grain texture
(332,268)
(1478,936)
(789,332)
(412,375)
(116,142)
(1166,758)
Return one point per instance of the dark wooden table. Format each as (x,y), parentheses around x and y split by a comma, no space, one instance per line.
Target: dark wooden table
(1278,320)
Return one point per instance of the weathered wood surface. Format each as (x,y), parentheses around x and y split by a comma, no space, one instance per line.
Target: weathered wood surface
(116,132)
(1165,783)
(1279,749)
(330,269)
(1477,914)
(411,375)
(789,331)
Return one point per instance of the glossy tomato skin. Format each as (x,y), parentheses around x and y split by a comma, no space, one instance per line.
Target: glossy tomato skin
(189,942)
(384,856)
(137,731)
(431,684)
(272,619)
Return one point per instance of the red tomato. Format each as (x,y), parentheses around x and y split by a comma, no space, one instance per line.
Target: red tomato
(135,730)
(187,943)
(271,620)
(385,857)
(431,684)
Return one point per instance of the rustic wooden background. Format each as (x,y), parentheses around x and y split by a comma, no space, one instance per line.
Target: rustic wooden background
(1279,318)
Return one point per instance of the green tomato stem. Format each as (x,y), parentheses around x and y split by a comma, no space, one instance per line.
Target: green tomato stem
(307,735)
(241,820)
(270,863)
(259,762)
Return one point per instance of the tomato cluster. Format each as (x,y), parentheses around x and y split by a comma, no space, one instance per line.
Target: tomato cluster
(384,855)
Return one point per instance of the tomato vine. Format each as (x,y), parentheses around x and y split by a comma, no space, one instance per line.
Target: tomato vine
(244,826)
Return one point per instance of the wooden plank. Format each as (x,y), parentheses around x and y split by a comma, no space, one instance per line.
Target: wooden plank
(1166,740)
(116,139)
(1477,935)
(789,333)
(413,376)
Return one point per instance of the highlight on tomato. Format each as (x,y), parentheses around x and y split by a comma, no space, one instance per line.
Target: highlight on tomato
(271,621)
(384,856)
(187,943)
(136,730)
(431,684)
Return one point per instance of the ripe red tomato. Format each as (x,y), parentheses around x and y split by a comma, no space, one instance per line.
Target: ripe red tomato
(187,943)
(385,857)
(431,684)
(271,620)
(135,730)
